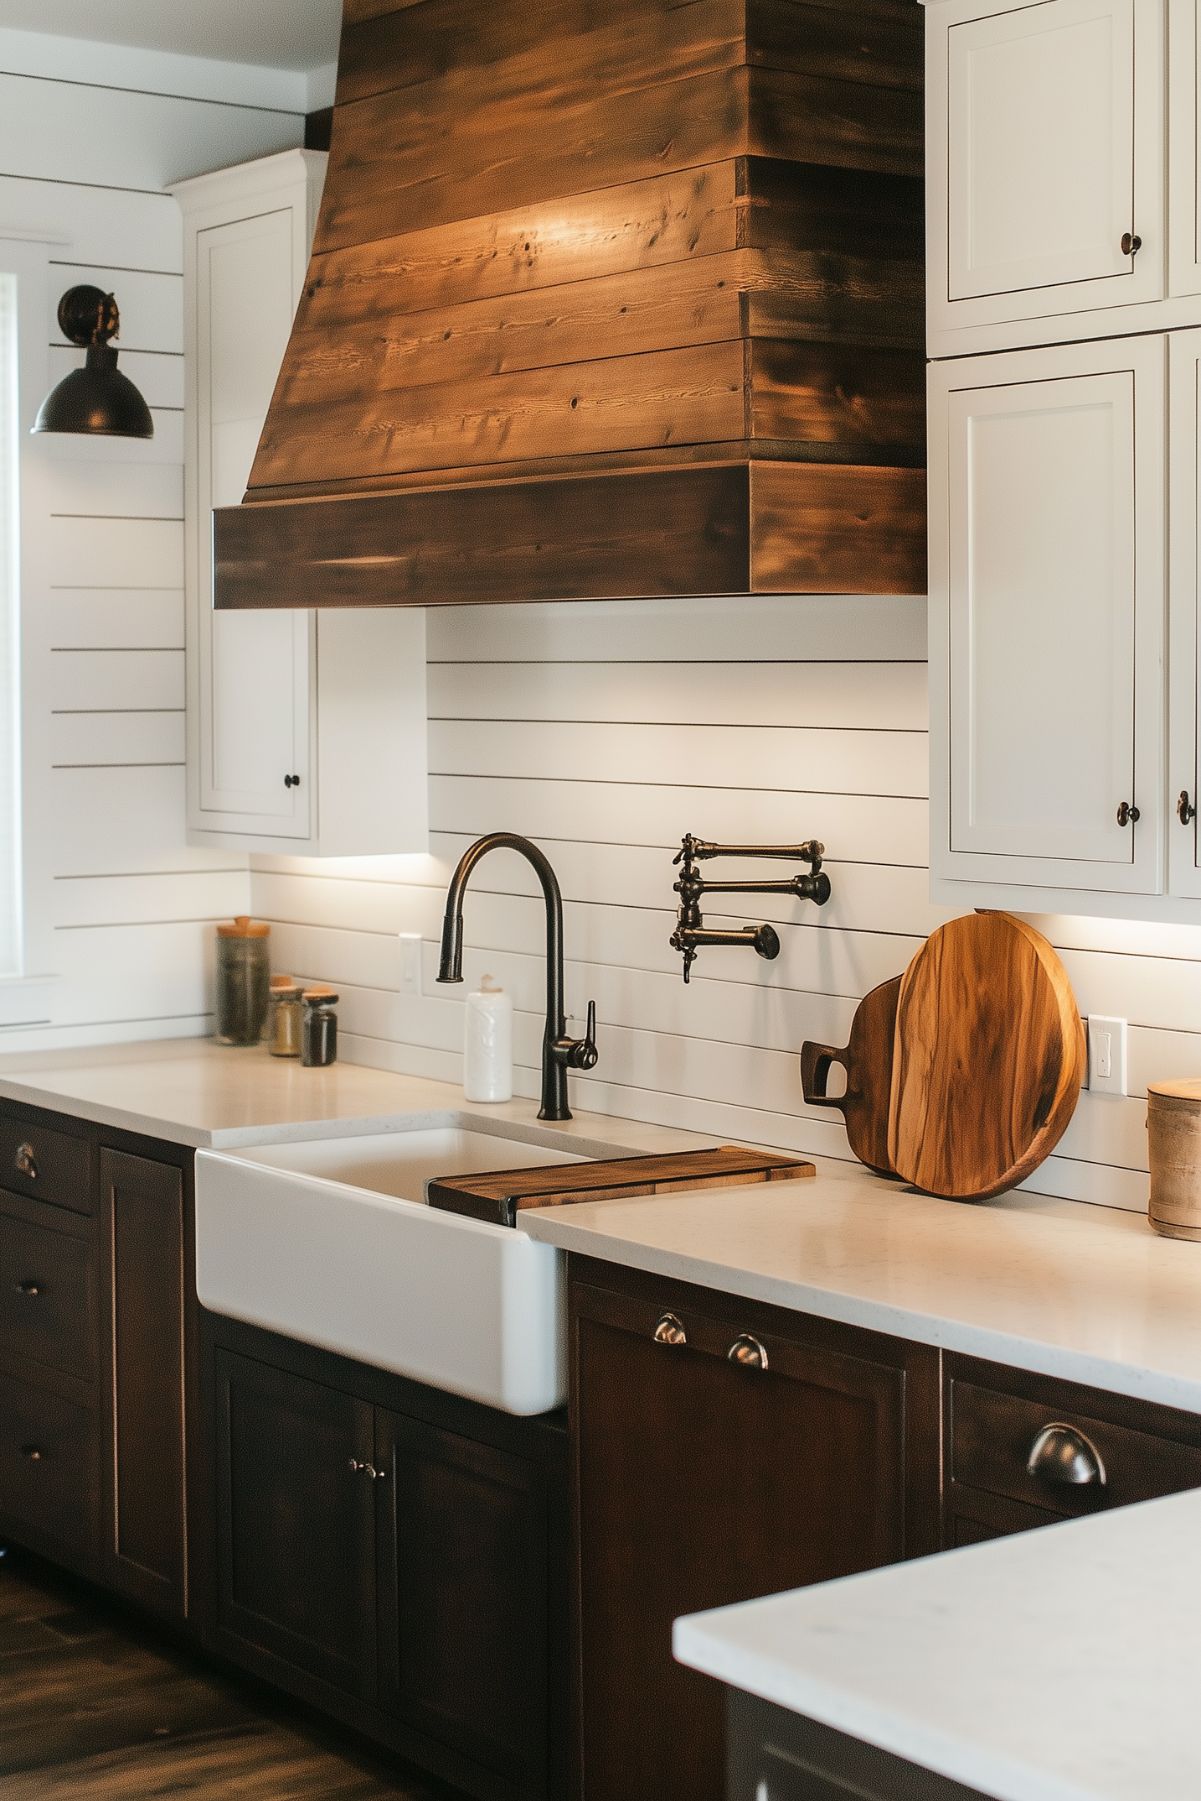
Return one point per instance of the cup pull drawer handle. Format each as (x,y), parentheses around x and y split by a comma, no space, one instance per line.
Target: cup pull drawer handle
(33,1453)
(1065,1456)
(26,1163)
(748,1352)
(670,1330)
(33,1291)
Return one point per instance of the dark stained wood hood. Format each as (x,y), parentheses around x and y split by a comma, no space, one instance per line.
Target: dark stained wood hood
(608,298)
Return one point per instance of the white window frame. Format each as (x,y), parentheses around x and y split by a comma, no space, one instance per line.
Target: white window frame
(25,995)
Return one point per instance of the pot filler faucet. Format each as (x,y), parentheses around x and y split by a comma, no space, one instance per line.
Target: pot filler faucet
(559,1052)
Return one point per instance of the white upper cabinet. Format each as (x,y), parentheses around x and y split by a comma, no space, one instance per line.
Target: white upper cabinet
(1047,617)
(1045,160)
(306,731)
(1184,739)
(1184,149)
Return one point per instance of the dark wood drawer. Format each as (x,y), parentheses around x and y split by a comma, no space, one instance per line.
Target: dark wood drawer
(48,1465)
(48,1305)
(45,1164)
(993,1435)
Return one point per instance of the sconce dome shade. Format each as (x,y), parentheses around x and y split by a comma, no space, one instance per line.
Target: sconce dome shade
(97,399)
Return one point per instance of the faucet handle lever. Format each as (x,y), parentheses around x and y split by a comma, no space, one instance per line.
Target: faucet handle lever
(583,1053)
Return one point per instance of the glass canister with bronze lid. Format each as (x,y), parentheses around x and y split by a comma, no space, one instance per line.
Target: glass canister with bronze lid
(243,978)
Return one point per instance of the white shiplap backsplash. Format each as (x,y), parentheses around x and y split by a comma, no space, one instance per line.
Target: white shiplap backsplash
(607,731)
(83,162)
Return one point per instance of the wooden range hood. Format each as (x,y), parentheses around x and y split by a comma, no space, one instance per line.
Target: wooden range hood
(608,298)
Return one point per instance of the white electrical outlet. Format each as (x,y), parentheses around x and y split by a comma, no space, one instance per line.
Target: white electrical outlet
(1106,1055)
(410,963)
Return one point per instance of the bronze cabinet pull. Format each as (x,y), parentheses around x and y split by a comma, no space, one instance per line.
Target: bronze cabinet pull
(748,1352)
(670,1330)
(25,1162)
(1186,812)
(1063,1455)
(33,1453)
(1128,815)
(1131,243)
(33,1291)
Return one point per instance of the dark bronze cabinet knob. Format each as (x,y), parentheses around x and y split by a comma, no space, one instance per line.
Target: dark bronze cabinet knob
(1131,244)
(291,781)
(1186,812)
(25,1163)
(31,1290)
(1128,815)
(32,1453)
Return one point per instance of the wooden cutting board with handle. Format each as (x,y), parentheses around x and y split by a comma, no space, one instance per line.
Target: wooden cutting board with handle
(500,1195)
(988,1058)
(867,1060)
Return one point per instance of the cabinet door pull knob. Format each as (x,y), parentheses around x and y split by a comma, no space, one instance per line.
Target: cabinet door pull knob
(1065,1456)
(748,1352)
(670,1330)
(1128,815)
(291,781)
(32,1291)
(1131,243)
(26,1163)
(32,1453)
(1186,812)
(360,1467)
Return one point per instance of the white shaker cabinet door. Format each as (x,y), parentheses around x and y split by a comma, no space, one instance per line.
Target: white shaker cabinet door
(1046,618)
(1046,158)
(1184,149)
(1184,742)
(254,671)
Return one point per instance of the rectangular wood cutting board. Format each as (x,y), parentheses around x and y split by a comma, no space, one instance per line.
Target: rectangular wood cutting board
(498,1197)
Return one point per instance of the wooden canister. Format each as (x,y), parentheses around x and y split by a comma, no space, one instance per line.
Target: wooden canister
(1174,1148)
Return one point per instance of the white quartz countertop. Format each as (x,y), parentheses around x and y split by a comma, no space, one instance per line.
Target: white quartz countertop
(1085,1293)
(1058,1665)
(194,1091)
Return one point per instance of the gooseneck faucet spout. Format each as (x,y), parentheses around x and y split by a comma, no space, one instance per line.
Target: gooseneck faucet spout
(559,1052)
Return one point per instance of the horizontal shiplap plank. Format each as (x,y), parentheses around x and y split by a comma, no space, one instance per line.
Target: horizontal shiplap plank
(203,894)
(113,739)
(123,822)
(846,696)
(122,138)
(117,489)
(116,553)
(150,303)
(115,619)
(117,680)
(135,972)
(158,375)
(858,828)
(782,758)
(810,628)
(110,228)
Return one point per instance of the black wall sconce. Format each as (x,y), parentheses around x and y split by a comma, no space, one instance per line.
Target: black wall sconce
(96,399)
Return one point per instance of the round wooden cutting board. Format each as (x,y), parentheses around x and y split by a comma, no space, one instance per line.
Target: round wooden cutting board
(988,1058)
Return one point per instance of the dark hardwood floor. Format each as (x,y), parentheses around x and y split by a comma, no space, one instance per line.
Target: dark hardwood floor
(93,1707)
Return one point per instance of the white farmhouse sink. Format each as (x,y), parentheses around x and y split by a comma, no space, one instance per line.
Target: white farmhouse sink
(330,1242)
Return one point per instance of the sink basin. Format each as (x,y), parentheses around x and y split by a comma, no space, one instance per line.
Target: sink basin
(329,1241)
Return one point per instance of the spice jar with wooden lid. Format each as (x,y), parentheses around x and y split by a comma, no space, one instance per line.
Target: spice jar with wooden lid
(243,973)
(319,1030)
(1174,1153)
(283,1017)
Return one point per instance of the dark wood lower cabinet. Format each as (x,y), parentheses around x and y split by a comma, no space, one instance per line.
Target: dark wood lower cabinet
(394,1555)
(781,1756)
(722,1450)
(142,1239)
(295,1522)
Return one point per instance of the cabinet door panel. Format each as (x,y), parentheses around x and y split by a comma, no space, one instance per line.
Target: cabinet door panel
(698,1483)
(1184,734)
(252,728)
(1053,122)
(1046,626)
(464,1595)
(142,1228)
(296,1527)
(1184,149)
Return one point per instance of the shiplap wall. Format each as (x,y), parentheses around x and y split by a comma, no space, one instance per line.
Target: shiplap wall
(606,732)
(84,161)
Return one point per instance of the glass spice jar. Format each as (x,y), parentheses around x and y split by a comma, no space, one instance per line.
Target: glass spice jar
(243,973)
(284,1017)
(319,1032)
